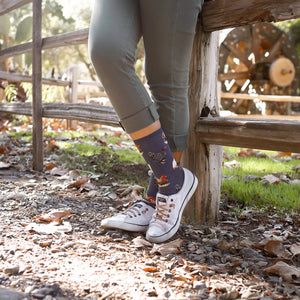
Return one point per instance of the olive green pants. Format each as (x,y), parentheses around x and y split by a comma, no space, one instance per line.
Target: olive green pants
(167,28)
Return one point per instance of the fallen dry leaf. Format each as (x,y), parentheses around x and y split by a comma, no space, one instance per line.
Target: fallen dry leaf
(139,242)
(150,269)
(296,168)
(232,164)
(118,133)
(52,146)
(78,183)
(50,166)
(172,247)
(50,228)
(4,165)
(59,171)
(295,249)
(276,248)
(88,186)
(251,152)
(282,154)
(227,156)
(53,215)
(270,179)
(287,272)
(127,189)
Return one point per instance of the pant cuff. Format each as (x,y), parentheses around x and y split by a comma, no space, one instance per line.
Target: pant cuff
(177,142)
(141,119)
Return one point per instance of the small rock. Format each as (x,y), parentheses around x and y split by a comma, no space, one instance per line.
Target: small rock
(93,246)
(69,245)
(199,285)
(45,243)
(12,270)
(29,289)
(41,293)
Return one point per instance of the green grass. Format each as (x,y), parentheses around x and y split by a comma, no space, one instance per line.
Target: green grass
(254,193)
(90,152)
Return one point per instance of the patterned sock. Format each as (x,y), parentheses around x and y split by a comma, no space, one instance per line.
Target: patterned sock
(150,197)
(157,153)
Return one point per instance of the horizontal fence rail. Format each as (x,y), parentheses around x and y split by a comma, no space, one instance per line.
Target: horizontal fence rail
(15,77)
(273,98)
(65,39)
(275,135)
(220,14)
(86,112)
(8,5)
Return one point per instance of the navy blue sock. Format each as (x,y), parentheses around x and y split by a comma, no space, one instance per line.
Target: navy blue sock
(158,155)
(152,190)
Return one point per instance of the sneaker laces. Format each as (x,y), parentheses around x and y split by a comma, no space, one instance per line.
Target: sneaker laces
(134,210)
(163,210)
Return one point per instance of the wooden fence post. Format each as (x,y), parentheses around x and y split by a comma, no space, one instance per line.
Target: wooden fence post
(37,132)
(202,159)
(73,74)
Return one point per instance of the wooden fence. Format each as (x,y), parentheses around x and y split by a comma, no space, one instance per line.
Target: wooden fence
(207,129)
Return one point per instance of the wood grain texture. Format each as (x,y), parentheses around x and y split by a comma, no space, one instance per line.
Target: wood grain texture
(60,40)
(278,135)
(93,113)
(37,129)
(8,5)
(221,14)
(203,160)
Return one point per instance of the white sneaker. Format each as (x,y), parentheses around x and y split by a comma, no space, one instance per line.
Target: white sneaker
(166,219)
(135,218)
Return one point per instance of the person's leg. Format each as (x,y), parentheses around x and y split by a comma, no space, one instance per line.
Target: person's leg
(115,30)
(168,31)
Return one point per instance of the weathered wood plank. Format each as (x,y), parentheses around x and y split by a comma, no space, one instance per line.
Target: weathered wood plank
(8,5)
(274,98)
(278,135)
(203,160)
(74,92)
(66,39)
(37,129)
(85,112)
(16,50)
(14,77)
(16,108)
(60,40)
(221,14)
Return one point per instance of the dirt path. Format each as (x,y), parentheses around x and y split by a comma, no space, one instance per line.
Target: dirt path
(52,247)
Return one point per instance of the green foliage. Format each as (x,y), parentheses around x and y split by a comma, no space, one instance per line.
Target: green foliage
(50,93)
(292,28)
(4,25)
(24,30)
(10,92)
(80,151)
(237,188)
